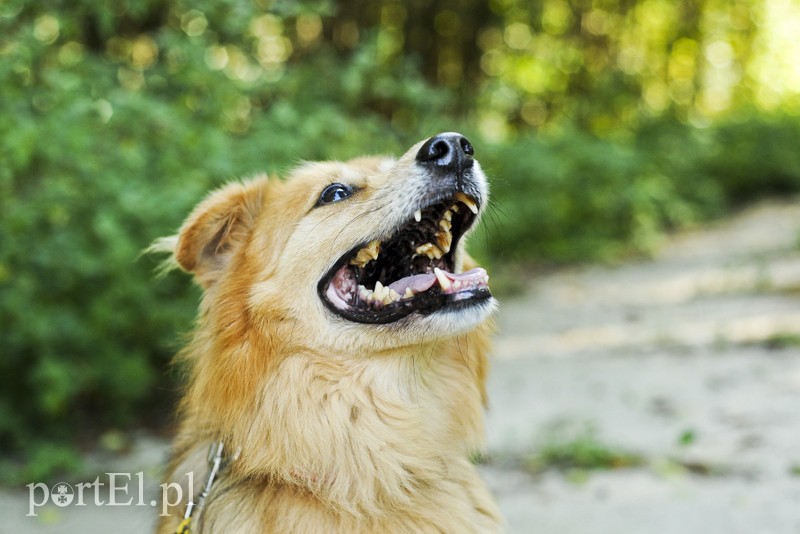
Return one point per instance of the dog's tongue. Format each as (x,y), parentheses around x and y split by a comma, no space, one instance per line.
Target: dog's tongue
(422,282)
(418,283)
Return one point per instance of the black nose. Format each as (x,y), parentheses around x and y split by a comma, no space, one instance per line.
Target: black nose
(449,151)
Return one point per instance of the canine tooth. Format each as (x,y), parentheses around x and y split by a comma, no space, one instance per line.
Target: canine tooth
(418,215)
(379,291)
(468,202)
(440,276)
(409,293)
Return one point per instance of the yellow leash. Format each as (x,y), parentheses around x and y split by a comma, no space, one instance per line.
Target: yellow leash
(183,528)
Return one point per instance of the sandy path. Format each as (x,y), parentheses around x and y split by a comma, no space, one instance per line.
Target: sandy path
(702,341)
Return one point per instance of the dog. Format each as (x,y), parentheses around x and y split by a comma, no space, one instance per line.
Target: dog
(336,373)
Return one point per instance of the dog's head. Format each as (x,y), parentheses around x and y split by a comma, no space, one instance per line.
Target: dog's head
(366,254)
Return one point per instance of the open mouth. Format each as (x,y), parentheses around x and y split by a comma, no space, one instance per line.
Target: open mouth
(411,271)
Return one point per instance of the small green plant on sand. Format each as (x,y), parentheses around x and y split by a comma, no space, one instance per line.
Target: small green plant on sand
(581,453)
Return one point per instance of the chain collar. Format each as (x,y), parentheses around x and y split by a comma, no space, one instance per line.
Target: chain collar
(216,462)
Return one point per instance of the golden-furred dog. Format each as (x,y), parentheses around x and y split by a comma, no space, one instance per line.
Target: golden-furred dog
(337,369)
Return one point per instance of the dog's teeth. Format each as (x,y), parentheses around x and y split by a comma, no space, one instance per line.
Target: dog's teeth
(445,240)
(409,293)
(383,294)
(390,296)
(454,208)
(448,216)
(367,254)
(365,294)
(374,249)
(424,249)
(464,199)
(430,250)
(443,280)
(379,291)
(418,215)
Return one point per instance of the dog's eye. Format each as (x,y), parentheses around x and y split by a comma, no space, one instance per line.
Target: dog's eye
(334,193)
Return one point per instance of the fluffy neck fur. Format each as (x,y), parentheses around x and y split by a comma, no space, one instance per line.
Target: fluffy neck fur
(363,434)
(365,438)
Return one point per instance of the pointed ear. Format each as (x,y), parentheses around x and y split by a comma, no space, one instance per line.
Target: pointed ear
(217,227)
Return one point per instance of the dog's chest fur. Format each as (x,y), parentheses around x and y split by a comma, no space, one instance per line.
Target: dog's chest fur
(348,448)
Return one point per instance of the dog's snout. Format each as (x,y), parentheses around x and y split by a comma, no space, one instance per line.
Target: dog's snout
(449,151)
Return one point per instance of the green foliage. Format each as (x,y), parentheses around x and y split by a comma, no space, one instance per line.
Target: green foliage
(687,437)
(574,197)
(569,196)
(755,156)
(584,452)
(782,341)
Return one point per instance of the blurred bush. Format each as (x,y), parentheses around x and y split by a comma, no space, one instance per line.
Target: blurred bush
(570,196)
(574,197)
(754,157)
(117,116)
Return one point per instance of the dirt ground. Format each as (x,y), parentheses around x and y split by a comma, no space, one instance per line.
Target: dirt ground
(689,363)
